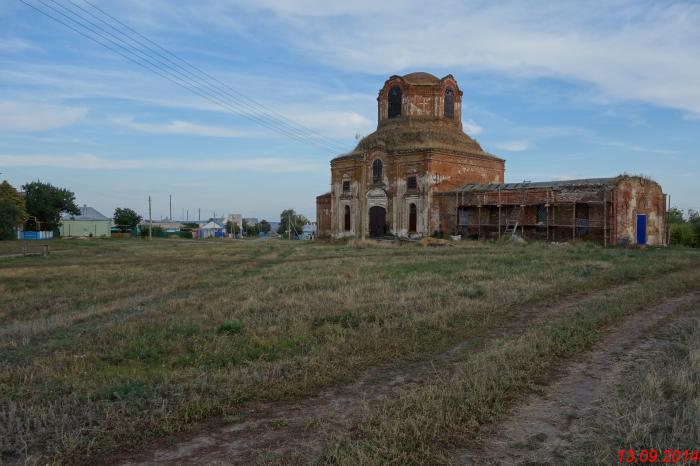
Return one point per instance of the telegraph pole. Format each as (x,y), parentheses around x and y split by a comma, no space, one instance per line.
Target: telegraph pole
(150,220)
(171,208)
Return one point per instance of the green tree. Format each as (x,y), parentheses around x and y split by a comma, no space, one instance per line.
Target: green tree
(675,215)
(251,229)
(9,219)
(9,194)
(264,226)
(288,218)
(126,218)
(12,211)
(45,204)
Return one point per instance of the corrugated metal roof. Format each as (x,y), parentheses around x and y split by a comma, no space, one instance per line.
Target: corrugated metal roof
(86,213)
(538,184)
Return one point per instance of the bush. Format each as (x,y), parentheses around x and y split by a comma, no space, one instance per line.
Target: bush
(683,234)
(157,231)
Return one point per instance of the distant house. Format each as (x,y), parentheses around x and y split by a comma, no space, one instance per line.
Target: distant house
(250,220)
(211,230)
(169,226)
(88,223)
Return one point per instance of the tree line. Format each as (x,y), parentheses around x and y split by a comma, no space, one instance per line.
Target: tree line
(39,207)
(685,228)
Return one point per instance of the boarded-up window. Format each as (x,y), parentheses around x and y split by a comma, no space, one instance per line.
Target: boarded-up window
(449,103)
(347,218)
(463,216)
(377,167)
(395,95)
(412,182)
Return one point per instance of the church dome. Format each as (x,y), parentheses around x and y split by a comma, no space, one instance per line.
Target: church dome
(421,78)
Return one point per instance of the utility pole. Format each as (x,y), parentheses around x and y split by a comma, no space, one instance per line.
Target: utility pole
(188,215)
(150,220)
(171,208)
(199,217)
(289,225)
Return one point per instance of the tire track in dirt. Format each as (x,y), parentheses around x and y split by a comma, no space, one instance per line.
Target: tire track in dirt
(540,429)
(303,426)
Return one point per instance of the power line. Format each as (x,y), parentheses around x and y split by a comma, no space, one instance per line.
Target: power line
(243,100)
(180,79)
(184,78)
(277,116)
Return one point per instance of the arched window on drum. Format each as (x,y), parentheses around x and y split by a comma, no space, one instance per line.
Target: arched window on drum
(395,98)
(449,103)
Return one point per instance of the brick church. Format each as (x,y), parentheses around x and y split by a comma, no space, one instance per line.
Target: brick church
(419,174)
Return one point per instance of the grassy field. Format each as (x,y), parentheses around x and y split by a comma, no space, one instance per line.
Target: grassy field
(107,345)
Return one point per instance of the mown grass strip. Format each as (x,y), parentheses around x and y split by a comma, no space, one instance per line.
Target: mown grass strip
(656,405)
(424,424)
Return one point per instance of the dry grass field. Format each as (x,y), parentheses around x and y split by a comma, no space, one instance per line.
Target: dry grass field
(306,352)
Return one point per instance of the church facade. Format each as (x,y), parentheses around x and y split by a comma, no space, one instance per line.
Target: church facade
(409,178)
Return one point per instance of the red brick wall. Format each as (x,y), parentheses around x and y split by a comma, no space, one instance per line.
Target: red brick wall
(323,216)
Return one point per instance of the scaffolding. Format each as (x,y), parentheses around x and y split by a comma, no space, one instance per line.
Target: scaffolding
(549,211)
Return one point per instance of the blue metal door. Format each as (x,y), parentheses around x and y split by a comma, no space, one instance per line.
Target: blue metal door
(641,229)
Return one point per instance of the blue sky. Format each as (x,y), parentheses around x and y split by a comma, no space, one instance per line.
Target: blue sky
(559,89)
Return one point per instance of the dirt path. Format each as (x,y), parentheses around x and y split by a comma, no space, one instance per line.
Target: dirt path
(302,427)
(539,430)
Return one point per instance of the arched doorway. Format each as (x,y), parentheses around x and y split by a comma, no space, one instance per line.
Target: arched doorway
(412,218)
(377,221)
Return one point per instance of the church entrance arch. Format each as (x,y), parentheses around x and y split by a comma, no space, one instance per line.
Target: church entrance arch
(377,221)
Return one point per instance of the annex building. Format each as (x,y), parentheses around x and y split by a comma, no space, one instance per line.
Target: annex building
(419,174)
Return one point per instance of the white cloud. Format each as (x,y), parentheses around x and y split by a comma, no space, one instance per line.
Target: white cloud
(79,162)
(334,123)
(177,127)
(513,146)
(471,128)
(11,45)
(18,116)
(92,162)
(628,49)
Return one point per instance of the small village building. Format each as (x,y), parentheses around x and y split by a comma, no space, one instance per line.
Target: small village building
(89,223)
(211,230)
(419,174)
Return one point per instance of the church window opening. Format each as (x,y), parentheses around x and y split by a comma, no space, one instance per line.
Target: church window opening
(449,103)
(346,186)
(463,219)
(377,171)
(347,218)
(412,182)
(412,218)
(395,95)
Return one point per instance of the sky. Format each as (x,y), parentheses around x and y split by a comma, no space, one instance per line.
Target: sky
(561,90)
